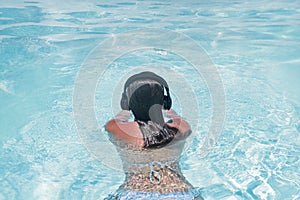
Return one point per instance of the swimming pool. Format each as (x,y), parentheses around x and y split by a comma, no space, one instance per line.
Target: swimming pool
(254,46)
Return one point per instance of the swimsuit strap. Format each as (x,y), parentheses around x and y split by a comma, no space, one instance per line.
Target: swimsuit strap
(154,174)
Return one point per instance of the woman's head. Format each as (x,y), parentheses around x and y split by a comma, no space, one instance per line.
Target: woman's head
(144,95)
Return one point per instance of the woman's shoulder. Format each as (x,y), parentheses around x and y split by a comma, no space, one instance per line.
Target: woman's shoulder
(180,124)
(127,131)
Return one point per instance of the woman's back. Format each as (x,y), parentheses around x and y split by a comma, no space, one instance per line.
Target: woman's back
(152,169)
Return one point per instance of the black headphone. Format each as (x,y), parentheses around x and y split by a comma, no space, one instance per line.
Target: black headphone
(146,75)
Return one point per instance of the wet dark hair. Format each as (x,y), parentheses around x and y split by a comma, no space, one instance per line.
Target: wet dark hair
(167,102)
(146,99)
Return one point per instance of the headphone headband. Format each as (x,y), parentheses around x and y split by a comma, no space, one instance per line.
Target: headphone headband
(146,75)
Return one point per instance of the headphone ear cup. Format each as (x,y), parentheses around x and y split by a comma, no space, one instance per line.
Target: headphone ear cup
(124,102)
(167,102)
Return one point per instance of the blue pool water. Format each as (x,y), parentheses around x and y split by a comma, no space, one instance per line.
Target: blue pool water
(255,46)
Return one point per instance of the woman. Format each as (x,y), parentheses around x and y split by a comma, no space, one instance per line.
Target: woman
(149,147)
